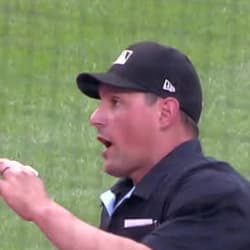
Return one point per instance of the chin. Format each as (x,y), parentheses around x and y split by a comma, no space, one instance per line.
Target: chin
(113,171)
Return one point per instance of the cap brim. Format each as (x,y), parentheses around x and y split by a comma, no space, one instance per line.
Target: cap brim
(89,83)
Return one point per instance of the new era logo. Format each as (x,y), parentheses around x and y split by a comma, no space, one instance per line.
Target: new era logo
(123,57)
(167,85)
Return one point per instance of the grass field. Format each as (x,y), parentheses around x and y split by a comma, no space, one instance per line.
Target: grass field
(44,118)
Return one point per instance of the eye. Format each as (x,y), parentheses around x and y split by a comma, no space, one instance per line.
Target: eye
(115,101)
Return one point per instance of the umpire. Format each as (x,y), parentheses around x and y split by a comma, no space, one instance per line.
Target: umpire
(169,195)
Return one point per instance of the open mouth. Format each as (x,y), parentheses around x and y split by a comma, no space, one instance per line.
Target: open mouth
(104,141)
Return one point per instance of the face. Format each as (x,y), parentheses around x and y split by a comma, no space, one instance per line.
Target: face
(126,125)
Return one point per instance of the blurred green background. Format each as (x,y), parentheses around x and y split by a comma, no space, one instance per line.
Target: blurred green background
(44,118)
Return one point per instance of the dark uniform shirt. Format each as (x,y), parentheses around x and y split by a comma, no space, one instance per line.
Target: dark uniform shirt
(186,202)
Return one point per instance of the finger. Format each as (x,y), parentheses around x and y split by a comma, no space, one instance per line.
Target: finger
(4,170)
(15,167)
(6,162)
(11,163)
(22,169)
(3,164)
(31,170)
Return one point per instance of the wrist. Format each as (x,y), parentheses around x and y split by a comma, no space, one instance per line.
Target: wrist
(43,211)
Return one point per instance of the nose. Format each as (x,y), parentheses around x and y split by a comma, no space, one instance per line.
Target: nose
(97,118)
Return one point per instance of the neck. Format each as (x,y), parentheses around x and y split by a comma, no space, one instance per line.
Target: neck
(162,147)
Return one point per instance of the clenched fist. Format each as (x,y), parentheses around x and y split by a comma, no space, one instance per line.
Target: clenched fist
(21,189)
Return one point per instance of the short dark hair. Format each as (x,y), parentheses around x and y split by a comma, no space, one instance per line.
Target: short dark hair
(190,124)
(150,98)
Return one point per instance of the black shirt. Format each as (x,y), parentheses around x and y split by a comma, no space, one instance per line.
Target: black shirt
(186,202)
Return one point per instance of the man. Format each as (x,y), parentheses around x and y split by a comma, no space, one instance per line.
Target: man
(169,196)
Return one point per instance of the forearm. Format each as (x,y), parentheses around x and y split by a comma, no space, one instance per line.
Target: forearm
(67,232)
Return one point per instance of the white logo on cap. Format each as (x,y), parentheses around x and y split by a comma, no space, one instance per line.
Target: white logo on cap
(123,57)
(167,85)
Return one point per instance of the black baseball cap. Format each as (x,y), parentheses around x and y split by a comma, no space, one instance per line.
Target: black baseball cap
(151,67)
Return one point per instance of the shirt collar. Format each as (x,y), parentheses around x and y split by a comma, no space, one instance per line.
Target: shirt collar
(122,186)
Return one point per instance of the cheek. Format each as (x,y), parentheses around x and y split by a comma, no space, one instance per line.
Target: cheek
(134,132)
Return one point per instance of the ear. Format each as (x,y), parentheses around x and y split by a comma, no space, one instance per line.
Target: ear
(169,111)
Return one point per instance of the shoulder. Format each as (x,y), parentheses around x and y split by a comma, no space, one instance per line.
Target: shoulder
(209,183)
